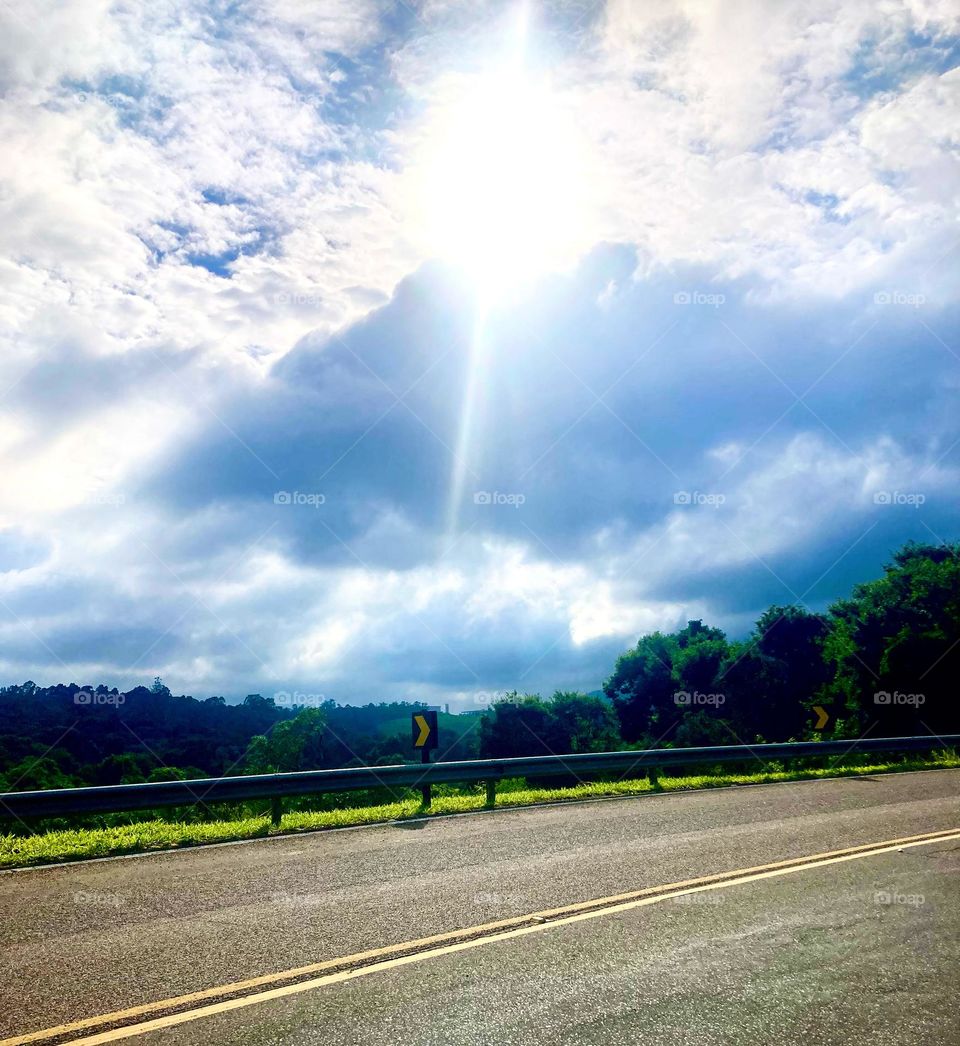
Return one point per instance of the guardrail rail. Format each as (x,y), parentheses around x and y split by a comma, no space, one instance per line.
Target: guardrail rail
(59,802)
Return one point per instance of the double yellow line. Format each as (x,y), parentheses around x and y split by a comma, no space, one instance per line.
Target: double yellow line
(122,1024)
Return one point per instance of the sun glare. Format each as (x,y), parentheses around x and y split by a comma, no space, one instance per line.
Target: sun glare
(502,181)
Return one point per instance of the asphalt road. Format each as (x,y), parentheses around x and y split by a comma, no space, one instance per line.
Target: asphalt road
(820,958)
(810,957)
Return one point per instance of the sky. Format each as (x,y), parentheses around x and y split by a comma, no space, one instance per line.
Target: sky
(430,350)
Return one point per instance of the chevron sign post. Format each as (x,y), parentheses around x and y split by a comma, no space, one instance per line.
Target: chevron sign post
(425,737)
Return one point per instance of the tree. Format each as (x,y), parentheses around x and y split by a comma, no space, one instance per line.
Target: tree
(585,723)
(648,682)
(258,701)
(699,728)
(125,768)
(894,648)
(168,773)
(296,744)
(35,773)
(529,725)
(773,679)
(642,685)
(517,726)
(700,653)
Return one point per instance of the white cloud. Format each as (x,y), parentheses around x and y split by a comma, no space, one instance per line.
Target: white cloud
(790,146)
(104,206)
(710,165)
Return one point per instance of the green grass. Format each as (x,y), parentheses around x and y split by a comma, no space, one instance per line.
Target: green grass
(18,851)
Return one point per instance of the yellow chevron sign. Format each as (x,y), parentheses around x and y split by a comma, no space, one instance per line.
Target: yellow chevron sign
(822,716)
(424,730)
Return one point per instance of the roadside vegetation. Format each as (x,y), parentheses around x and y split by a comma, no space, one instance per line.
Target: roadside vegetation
(72,844)
(882,663)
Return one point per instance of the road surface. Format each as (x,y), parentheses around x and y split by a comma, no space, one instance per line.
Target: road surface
(865,949)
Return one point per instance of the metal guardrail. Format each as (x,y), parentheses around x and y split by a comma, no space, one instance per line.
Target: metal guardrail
(56,802)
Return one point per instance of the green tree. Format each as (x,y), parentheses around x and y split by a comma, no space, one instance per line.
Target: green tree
(771,680)
(258,701)
(529,725)
(35,773)
(168,773)
(125,768)
(519,725)
(642,685)
(894,648)
(648,682)
(294,744)
(585,723)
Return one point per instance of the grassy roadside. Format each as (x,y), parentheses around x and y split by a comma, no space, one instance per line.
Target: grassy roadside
(18,851)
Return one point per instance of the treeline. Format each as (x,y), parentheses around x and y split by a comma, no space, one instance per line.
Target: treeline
(69,735)
(883,662)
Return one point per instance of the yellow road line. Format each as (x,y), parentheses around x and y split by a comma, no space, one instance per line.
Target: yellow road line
(376,960)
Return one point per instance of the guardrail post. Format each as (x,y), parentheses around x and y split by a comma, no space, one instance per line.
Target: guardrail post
(425,789)
(276,811)
(653,776)
(491,792)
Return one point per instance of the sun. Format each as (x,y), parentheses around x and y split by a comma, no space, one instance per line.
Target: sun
(502,180)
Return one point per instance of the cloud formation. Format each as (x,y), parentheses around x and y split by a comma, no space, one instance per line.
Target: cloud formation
(256,436)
